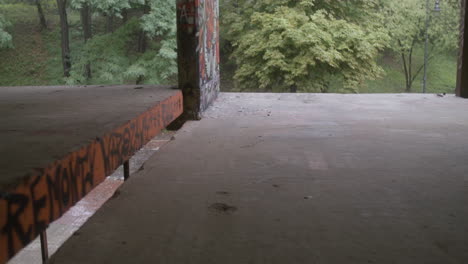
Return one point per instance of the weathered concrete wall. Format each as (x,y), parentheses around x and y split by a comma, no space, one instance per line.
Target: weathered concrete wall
(198,47)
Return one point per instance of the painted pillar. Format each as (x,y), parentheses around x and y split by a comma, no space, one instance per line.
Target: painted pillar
(198,54)
(462,75)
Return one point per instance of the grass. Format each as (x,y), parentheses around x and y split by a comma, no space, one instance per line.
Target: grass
(36,56)
(441,75)
(28,63)
(23,65)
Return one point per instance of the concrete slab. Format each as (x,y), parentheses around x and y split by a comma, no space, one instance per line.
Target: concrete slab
(58,143)
(296,178)
(42,124)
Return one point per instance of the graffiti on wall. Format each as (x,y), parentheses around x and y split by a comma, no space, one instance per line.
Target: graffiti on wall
(198,53)
(208,50)
(47,193)
(187,15)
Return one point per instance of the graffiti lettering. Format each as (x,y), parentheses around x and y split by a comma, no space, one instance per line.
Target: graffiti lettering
(208,48)
(49,192)
(39,203)
(13,228)
(187,15)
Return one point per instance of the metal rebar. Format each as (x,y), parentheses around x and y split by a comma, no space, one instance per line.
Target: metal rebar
(126,168)
(44,246)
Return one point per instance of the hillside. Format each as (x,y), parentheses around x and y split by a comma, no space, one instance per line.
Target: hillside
(35,58)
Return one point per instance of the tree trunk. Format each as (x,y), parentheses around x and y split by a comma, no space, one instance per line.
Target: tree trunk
(65,40)
(139,80)
(408,88)
(87,33)
(406,72)
(410,69)
(110,23)
(125,15)
(142,39)
(293,88)
(142,42)
(40,12)
(326,87)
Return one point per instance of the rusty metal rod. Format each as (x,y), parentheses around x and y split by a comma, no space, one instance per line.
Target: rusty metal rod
(44,246)
(126,168)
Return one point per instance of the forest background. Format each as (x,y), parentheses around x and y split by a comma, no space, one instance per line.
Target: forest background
(361,46)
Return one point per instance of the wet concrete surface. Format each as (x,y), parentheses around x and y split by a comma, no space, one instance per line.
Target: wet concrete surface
(295,178)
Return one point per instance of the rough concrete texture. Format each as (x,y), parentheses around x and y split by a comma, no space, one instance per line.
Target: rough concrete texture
(42,124)
(295,178)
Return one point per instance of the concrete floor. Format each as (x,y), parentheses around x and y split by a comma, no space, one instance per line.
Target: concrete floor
(294,178)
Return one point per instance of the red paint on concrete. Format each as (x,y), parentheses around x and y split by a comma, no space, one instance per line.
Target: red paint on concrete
(47,193)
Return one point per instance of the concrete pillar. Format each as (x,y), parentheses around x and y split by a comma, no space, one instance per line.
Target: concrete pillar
(198,54)
(462,75)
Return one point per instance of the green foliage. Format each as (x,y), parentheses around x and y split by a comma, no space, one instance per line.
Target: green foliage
(5,37)
(161,20)
(283,44)
(24,10)
(108,54)
(406,22)
(115,57)
(106,7)
(441,75)
(115,60)
(316,45)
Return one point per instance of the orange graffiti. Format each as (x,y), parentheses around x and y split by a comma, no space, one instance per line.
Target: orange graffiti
(47,193)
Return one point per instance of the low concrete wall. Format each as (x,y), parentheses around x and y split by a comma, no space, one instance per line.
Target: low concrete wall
(30,203)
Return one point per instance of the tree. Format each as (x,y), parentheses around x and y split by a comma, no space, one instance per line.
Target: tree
(158,23)
(86,21)
(85,8)
(5,37)
(142,38)
(405,21)
(65,39)
(111,9)
(118,57)
(304,45)
(40,12)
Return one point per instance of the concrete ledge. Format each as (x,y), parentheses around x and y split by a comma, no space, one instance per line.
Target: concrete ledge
(58,143)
